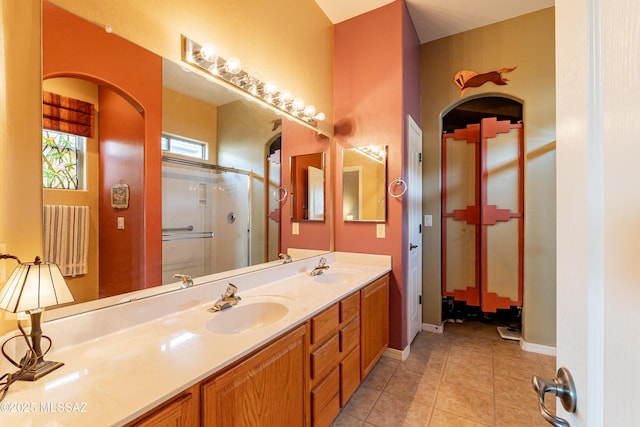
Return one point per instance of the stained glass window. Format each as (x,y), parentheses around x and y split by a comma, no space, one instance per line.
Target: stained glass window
(62,156)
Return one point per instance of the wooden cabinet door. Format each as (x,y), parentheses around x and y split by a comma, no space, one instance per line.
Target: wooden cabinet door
(266,389)
(374,323)
(181,412)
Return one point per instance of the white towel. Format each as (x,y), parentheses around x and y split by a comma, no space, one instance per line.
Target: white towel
(66,238)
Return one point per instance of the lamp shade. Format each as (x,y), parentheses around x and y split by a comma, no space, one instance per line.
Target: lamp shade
(34,285)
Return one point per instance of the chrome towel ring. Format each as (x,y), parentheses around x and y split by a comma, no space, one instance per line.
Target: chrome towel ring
(280,191)
(397,182)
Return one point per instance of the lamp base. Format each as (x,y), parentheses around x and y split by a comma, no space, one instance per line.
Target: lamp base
(40,370)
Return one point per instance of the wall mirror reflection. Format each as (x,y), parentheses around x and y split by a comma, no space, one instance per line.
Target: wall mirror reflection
(363,183)
(195,164)
(307,187)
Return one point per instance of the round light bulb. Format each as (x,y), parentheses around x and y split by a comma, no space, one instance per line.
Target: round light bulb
(270,87)
(320,116)
(208,52)
(233,65)
(298,104)
(286,95)
(309,111)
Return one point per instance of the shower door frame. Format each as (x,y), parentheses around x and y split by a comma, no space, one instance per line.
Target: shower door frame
(250,176)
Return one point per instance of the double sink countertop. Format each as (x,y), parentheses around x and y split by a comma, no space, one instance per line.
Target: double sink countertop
(124,360)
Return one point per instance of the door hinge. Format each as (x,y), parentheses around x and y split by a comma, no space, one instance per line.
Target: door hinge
(420,299)
(420,157)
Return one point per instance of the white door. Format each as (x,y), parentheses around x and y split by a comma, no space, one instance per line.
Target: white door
(598,207)
(414,192)
(315,192)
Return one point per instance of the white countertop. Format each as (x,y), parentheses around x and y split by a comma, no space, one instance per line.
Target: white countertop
(150,350)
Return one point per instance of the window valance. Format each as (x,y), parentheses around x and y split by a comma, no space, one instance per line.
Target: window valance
(67,115)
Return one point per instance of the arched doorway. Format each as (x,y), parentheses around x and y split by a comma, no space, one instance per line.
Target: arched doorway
(483,204)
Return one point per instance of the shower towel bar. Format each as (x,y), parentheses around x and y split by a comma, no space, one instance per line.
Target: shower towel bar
(170,237)
(187,228)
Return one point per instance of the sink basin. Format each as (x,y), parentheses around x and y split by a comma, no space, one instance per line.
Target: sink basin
(337,277)
(243,318)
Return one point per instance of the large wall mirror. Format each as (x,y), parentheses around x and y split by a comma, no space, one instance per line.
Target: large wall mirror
(363,183)
(177,173)
(307,187)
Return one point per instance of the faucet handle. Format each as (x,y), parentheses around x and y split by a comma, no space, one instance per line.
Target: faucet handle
(231,291)
(322,262)
(286,257)
(186,279)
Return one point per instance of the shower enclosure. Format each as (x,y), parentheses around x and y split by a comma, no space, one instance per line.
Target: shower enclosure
(206,221)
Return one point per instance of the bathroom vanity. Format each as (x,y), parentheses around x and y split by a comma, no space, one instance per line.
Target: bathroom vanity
(291,352)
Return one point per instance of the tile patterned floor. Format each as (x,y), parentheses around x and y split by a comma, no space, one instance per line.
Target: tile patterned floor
(466,377)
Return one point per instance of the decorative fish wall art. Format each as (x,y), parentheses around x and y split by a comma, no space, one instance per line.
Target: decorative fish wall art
(466,79)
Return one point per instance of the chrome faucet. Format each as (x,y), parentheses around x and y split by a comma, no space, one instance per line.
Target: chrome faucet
(286,257)
(187,281)
(320,268)
(228,300)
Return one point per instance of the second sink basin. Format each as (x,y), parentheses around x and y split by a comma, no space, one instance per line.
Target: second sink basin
(336,276)
(242,318)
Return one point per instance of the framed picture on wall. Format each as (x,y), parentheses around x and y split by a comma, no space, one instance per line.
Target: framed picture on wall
(120,196)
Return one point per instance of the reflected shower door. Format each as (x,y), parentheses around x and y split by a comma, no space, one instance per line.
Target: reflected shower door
(204,221)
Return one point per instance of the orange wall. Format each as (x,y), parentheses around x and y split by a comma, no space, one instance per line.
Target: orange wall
(74,47)
(313,234)
(370,82)
(121,160)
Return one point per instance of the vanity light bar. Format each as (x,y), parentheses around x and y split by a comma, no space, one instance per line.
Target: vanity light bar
(230,74)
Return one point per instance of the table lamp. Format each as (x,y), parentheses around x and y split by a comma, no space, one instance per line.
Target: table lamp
(31,287)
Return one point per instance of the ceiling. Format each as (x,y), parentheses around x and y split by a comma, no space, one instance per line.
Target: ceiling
(434,19)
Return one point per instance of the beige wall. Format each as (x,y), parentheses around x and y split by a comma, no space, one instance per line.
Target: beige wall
(289,42)
(86,286)
(20,123)
(190,118)
(528,43)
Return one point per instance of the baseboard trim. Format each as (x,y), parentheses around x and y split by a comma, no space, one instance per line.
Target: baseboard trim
(436,329)
(537,348)
(393,353)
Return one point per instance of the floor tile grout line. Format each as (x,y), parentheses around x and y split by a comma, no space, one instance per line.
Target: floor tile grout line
(380,395)
(435,398)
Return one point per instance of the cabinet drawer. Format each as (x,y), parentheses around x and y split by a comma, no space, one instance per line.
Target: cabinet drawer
(324,324)
(324,358)
(350,336)
(349,375)
(322,395)
(350,308)
(328,414)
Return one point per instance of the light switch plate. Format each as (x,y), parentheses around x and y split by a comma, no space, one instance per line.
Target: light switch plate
(428,220)
(295,228)
(120,223)
(380,230)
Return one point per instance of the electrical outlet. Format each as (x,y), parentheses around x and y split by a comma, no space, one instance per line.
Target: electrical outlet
(380,229)
(428,220)
(120,223)
(295,228)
